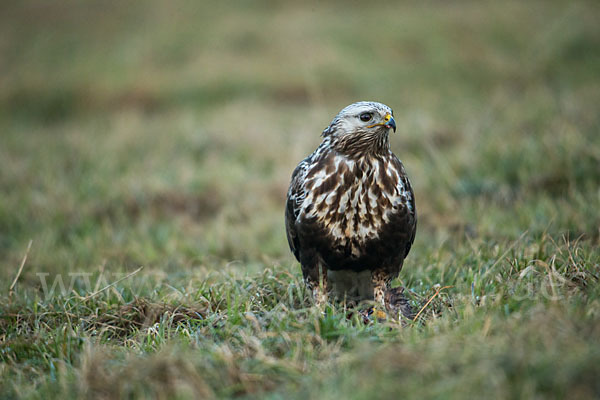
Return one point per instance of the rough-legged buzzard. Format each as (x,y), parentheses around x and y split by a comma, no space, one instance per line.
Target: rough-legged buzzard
(350,215)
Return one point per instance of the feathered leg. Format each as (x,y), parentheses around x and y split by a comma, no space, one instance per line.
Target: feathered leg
(391,299)
(317,282)
(320,295)
(381,279)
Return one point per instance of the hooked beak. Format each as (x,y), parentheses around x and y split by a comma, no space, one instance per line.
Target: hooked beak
(388,122)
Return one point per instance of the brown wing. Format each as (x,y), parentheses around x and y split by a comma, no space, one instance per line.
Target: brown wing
(410,220)
(295,197)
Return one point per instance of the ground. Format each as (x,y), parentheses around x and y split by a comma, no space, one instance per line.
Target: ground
(163,136)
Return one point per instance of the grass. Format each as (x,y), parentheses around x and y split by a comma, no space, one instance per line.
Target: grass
(164,136)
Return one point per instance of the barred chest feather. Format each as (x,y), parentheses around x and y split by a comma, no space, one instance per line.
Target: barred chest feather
(352,199)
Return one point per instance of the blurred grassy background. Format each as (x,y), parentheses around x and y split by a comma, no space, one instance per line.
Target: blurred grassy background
(164,134)
(142,132)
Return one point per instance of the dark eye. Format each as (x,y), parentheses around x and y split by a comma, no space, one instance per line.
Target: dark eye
(365,117)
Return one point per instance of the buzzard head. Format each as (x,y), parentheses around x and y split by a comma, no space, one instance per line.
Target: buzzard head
(361,128)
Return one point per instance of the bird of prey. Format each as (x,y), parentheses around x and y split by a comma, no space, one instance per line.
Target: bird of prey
(350,215)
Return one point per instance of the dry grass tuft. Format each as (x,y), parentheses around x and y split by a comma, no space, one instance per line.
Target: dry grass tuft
(142,314)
